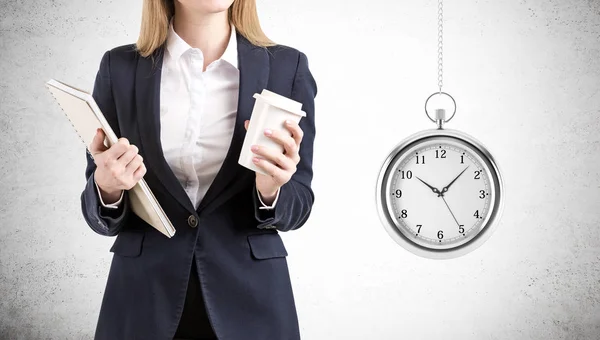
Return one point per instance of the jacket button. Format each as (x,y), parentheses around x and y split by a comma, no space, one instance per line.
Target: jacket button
(192,221)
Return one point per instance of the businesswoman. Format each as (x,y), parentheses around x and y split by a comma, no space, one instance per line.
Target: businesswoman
(180,100)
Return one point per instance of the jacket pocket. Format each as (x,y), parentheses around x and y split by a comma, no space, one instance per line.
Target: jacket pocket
(266,246)
(128,243)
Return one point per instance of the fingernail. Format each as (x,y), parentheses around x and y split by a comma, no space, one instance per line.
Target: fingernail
(288,122)
(268,132)
(255,160)
(254,148)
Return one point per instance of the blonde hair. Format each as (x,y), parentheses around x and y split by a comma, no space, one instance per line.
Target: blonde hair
(156,15)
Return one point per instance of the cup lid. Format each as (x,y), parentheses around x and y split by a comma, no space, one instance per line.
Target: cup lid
(281,102)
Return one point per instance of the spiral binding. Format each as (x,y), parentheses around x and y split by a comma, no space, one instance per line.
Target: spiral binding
(71,122)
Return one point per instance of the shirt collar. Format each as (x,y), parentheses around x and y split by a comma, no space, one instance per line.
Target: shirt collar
(177,46)
(230,55)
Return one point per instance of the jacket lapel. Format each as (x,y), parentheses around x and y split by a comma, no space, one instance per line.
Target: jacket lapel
(147,93)
(253,63)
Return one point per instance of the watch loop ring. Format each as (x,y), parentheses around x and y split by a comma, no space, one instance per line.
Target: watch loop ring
(440,93)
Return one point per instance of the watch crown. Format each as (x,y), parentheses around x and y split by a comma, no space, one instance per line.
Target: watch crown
(440,114)
(440,117)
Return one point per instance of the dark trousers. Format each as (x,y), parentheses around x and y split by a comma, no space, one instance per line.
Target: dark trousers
(194,323)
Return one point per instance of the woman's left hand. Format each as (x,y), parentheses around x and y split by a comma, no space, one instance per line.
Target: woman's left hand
(279,165)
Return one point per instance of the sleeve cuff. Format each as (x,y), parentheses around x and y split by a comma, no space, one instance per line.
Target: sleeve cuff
(104,221)
(266,216)
(264,206)
(114,205)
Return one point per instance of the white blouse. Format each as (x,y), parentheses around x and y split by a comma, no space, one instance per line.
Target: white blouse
(197,114)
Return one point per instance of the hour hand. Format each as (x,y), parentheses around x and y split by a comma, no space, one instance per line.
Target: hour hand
(435,190)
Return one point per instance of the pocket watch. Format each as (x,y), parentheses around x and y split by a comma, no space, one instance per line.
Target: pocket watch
(439,191)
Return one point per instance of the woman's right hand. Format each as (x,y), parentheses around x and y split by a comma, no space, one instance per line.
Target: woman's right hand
(118,168)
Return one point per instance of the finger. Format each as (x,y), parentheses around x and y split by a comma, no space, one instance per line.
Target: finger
(274,156)
(279,176)
(134,164)
(246,123)
(139,173)
(288,143)
(118,149)
(97,146)
(296,131)
(129,155)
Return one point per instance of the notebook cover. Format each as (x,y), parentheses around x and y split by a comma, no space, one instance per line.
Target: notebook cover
(85,117)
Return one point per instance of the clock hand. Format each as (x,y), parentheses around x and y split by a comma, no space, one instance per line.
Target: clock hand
(454,180)
(451,212)
(435,190)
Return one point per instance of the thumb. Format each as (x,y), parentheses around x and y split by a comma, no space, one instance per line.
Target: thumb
(246,123)
(97,145)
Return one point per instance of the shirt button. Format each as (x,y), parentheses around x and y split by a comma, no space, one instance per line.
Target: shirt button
(192,221)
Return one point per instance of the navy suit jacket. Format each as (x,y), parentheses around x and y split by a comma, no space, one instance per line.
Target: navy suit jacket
(239,253)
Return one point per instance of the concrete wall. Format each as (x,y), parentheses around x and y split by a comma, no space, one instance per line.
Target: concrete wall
(526,75)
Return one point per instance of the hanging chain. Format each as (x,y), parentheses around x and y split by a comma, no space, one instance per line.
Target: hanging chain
(440,113)
(440,45)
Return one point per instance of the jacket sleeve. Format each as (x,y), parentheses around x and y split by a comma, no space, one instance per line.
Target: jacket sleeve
(296,197)
(102,220)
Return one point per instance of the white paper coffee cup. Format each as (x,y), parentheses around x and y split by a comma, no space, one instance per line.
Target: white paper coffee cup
(270,112)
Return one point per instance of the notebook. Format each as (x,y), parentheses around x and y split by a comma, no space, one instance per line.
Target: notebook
(85,116)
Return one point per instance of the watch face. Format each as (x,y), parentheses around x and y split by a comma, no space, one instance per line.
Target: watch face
(439,193)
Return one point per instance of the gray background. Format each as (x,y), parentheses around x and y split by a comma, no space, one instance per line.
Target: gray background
(526,75)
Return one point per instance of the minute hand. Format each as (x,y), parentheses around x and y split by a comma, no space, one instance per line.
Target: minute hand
(445,189)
